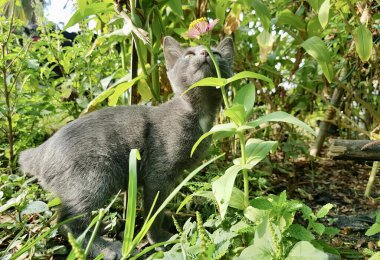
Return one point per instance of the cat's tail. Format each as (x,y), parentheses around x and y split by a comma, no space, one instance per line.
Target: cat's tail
(28,160)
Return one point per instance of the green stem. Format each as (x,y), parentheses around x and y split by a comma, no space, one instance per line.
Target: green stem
(93,235)
(223,88)
(245,172)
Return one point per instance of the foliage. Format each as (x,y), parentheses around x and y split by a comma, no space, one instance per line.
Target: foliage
(289,56)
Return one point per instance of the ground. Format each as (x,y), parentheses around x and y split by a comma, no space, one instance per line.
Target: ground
(341,183)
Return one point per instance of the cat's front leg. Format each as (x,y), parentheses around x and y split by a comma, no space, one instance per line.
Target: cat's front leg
(153,184)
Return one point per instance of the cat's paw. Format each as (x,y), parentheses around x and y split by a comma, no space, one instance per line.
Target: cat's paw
(110,250)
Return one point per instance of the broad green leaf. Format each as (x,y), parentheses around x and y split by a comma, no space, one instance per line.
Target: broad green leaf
(376,256)
(13,202)
(323,13)
(363,42)
(208,82)
(262,12)
(324,210)
(288,17)
(255,215)
(120,89)
(134,155)
(54,202)
(230,127)
(304,250)
(88,10)
(299,232)
(35,207)
(261,203)
(246,96)
(281,116)
(263,245)
(236,113)
(256,151)
(374,229)
(220,10)
(315,47)
(315,4)
(222,188)
(319,228)
(176,7)
(249,74)
(237,199)
(314,28)
(259,148)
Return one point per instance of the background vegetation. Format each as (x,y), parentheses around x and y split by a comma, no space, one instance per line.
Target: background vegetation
(322,62)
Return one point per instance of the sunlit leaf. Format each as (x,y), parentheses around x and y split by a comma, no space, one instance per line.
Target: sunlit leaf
(249,74)
(318,50)
(222,188)
(323,13)
(230,127)
(304,250)
(281,116)
(120,89)
(246,96)
(87,10)
(265,41)
(236,113)
(363,42)
(208,82)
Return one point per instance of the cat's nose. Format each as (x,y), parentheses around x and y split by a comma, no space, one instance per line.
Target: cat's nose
(204,53)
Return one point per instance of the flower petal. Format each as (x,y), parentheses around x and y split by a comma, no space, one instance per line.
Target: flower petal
(212,24)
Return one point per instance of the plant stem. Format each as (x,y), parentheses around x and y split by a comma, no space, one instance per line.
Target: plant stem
(224,94)
(101,215)
(245,173)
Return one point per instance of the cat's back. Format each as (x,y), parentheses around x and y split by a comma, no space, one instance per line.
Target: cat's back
(106,133)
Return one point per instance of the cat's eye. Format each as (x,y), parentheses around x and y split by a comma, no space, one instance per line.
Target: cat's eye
(189,54)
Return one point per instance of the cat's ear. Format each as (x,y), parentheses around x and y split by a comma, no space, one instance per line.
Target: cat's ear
(172,51)
(226,48)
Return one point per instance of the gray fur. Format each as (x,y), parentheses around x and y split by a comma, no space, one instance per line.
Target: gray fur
(86,161)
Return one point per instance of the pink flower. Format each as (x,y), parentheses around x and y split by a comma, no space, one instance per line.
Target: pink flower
(200,27)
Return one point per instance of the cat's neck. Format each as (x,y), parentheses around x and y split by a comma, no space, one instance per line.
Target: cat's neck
(202,101)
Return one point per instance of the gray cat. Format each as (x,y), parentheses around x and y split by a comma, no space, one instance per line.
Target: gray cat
(86,161)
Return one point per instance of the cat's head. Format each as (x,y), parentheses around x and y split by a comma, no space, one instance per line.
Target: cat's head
(186,66)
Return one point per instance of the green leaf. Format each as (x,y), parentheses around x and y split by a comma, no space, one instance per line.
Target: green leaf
(207,82)
(319,228)
(230,127)
(324,210)
(299,232)
(88,10)
(363,42)
(288,17)
(261,203)
(263,245)
(134,155)
(236,113)
(237,199)
(376,256)
(323,13)
(373,230)
(259,148)
(54,202)
(315,4)
(249,74)
(35,207)
(176,6)
(246,96)
(304,250)
(262,12)
(222,188)
(315,47)
(120,89)
(281,116)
